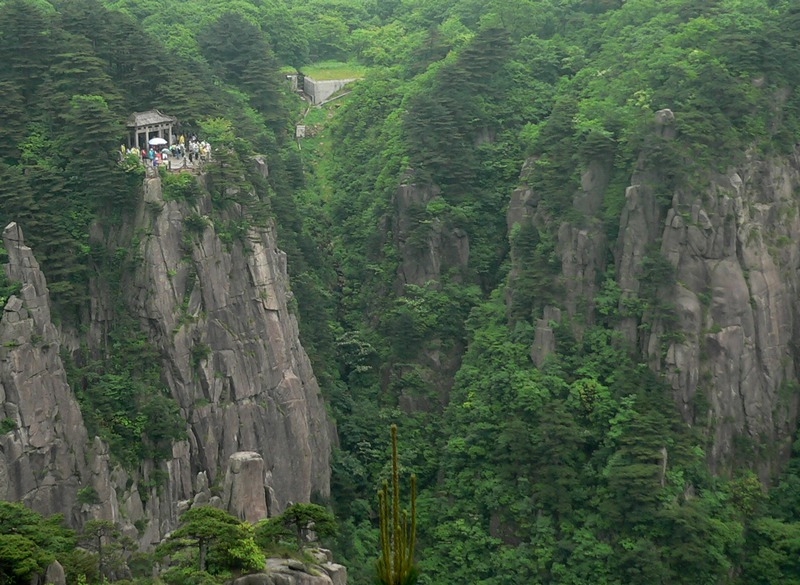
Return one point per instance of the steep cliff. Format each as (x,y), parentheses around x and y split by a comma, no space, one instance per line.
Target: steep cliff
(45,448)
(253,389)
(431,251)
(734,247)
(218,313)
(707,278)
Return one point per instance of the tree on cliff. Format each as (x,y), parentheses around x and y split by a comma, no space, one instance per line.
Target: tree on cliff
(305,517)
(95,536)
(222,541)
(296,521)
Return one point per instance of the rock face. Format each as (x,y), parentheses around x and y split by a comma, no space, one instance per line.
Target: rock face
(55,574)
(292,572)
(428,247)
(244,494)
(219,315)
(733,242)
(736,255)
(43,458)
(218,312)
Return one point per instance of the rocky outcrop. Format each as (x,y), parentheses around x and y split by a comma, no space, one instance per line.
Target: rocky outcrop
(55,574)
(218,312)
(728,346)
(244,495)
(730,356)
(44,447)
(581,250)
(217,309)
(293,572)
(544,342)
(428,247)
(734,245)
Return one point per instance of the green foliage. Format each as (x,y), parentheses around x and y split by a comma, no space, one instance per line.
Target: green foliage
(240,55)
(122,396)
(195,224)
(102,537)
(223,543)
(270,532)
(297,520)
(29,543)
(88,495)
(180,187)
(7,288)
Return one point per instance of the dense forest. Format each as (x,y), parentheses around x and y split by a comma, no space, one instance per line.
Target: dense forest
(419,289)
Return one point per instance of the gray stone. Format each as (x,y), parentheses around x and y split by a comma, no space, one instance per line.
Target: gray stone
(322,554)
(734,245)
(43,462)
(55,574)
(544,342)
(201,499)
(337,573)
(13,305)
(665,123)
(296,565)
(254,392)
(427,249)
(244,494)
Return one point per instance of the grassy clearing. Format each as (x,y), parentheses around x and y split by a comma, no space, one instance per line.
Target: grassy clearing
(327,70)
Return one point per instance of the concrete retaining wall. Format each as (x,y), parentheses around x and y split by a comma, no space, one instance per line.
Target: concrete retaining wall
(320,91)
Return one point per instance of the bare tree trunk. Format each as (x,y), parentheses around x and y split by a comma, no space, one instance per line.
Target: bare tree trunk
(203,548)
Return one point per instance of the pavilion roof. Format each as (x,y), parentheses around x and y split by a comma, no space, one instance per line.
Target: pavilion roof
(149,118)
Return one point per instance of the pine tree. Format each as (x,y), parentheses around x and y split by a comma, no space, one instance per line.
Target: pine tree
(239,54)
(75,70)
(12,121)
(16,199)
(92,137)
(132,58)
(25,45)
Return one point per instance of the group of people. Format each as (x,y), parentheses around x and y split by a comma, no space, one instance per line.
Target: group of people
(194,151)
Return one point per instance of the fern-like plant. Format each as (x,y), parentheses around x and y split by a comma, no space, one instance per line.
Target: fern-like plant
(398,529)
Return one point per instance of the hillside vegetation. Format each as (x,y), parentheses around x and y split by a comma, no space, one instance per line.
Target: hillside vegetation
(581,470)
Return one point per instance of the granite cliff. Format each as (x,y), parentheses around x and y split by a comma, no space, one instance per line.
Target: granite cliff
(257,433)
(724,329)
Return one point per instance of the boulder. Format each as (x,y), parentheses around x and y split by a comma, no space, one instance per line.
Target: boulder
(337,573)
(244,495)
(55,574)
